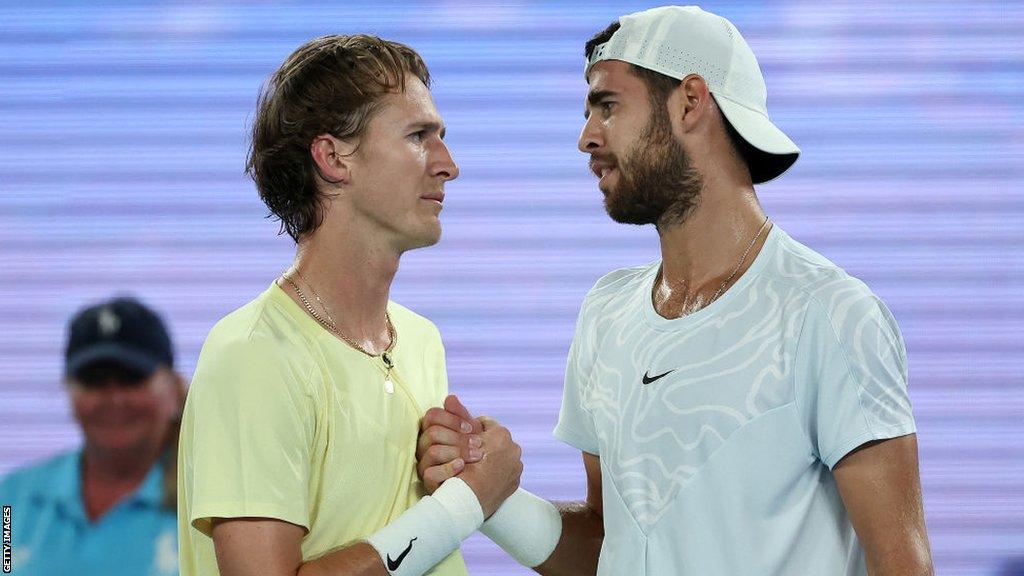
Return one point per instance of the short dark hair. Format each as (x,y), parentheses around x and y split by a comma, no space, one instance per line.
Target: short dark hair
(660,87)
(329,85)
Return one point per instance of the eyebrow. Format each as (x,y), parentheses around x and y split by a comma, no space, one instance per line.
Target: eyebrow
(594,98)
(430,127)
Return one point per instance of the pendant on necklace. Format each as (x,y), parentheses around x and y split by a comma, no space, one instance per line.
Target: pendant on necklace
(389,385)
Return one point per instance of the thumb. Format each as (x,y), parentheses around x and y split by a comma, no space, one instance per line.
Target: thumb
(485,423)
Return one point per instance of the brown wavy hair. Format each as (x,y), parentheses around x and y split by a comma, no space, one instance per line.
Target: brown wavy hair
(329,85)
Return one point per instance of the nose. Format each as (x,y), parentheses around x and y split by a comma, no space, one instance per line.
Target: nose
(590,137)
(444,165)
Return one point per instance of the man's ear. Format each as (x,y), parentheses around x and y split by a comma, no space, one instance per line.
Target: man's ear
(332,158)
(693,99)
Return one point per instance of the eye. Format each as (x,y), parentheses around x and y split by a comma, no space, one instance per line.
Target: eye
(419,135)
(606,106)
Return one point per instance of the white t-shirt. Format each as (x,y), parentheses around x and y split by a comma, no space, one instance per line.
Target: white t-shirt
(720,464)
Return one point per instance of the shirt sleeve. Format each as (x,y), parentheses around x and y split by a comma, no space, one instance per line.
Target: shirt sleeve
(441,368)
(247,435)
(851,374)
(575,423)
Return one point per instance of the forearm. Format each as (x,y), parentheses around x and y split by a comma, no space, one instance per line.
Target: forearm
(580,543)
(914,569)
(359,559)
(912,559)
(250,546)
(409,545)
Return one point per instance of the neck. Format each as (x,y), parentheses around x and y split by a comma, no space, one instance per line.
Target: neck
(353,278)
(108,477)
(118,467)
(701,252)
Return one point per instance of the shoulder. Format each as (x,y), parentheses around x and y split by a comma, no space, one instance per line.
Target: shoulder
(616,280)
(260,346)
(410,325)
(842,304)
(823,284)
(262,328)
(39,476)
(617,284)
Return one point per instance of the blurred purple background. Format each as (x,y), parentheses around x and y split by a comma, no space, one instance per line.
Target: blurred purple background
(123,132)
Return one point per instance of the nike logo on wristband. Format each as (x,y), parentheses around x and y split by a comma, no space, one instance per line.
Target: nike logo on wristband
(394,564)
(648,379)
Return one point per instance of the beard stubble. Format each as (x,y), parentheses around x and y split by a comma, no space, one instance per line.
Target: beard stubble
(657,181)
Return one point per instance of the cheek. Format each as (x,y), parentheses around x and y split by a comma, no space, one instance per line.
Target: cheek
(156,405)
(144,404)
(85,404)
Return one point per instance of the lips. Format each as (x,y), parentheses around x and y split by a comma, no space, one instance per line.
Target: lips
(436,196)
(601,168)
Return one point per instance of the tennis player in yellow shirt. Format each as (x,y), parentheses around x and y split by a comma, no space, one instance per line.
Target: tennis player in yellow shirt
(298,441)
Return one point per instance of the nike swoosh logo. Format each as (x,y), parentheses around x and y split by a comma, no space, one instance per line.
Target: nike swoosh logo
(649,379)
(394,564)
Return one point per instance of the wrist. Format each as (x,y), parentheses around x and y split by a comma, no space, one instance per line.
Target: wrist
(526,526)
(462,505)
(433,528)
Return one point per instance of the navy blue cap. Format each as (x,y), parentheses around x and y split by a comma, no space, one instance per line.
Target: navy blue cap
(121,330)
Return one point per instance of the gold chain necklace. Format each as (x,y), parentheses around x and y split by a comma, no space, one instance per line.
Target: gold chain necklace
(330,321)
(721,289)
(332,327)
(740,263)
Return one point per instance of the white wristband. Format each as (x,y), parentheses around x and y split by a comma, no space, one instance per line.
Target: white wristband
(526,526)
(433,528)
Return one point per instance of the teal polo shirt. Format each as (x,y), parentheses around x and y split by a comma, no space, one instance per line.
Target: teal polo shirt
(51,533)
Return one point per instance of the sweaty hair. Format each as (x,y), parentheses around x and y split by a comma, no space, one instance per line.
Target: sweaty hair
(330,85)
(660,87)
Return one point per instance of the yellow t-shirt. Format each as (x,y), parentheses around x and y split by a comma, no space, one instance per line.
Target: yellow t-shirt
(284,420)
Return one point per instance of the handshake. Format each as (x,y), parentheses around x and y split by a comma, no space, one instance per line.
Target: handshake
(480,451)
(470,468)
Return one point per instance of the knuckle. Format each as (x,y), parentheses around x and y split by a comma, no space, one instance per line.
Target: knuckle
(435,452)
(439,435)
(436,475)
(431,416)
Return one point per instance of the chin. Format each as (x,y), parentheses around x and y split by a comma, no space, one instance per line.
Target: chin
(116,442)
(426,238)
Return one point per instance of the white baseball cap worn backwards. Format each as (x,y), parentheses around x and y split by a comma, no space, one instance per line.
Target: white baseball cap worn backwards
(681,40)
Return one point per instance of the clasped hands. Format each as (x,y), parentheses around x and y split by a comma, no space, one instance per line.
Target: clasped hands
(480,451)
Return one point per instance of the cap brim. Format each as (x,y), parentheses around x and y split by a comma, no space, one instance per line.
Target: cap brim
(777,152)
(111,352)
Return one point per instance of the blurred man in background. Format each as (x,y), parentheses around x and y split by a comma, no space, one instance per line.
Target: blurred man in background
(109,506)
